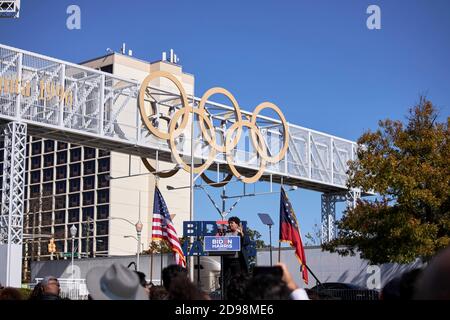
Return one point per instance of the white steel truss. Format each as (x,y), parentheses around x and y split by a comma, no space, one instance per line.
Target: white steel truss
(328,225)
(12,206)
(10,9)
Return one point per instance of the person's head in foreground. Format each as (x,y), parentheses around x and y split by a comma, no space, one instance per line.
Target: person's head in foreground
(115,282)
(434,281)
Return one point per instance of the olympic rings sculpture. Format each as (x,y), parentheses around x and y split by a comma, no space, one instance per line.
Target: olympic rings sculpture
(175,129)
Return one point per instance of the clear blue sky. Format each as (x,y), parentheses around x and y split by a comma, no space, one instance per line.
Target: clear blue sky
(315,59)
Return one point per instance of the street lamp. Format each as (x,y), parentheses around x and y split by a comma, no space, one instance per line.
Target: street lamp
(138,226)
(267,220)
(130,236)
(73,233)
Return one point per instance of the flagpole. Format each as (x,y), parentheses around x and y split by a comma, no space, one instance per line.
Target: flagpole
(312,273)
(191,189)
(279,251)
(279,232)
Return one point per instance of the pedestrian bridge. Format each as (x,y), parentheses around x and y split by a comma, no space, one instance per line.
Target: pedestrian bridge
(73,103)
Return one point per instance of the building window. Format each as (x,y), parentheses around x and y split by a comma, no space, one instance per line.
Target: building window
(48,175)
(47,203)
(103,196)
(60,187)
(46,231)
(46,219)
(102,243)
(74,185)
(60,202)
(60,217)
(75,155)
(61,172)
(36,176)
(49,146)
(102,212)
(75,170)
(83,247)
(47,189)
(36,148)
(35,162)
(88,198)
(61,157)
(88,183)
(34,191)
(44,248)
(59,246)
(74,215)
(89,167)
(89,153)
(49,160)
(60,232)
(102,227)
(103,165)
(88,212)
(103,180)
(74,200)
(62,145)
(103,153)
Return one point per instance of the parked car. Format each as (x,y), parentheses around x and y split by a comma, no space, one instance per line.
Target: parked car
(344,291)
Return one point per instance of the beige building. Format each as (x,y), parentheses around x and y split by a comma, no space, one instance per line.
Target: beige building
(69,184)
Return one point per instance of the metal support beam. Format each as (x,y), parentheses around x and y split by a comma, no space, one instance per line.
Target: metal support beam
(328,217)
(12,206)
(328,227)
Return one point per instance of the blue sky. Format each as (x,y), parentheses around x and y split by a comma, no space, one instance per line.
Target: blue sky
(317,60)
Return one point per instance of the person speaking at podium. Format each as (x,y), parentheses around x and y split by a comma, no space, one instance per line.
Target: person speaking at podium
(235,264)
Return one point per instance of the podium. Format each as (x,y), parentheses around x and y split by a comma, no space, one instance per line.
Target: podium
(221,245)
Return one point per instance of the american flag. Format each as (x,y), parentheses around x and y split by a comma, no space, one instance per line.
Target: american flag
(290,232)
(163,228)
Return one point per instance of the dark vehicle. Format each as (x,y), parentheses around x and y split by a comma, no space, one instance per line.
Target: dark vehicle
(344,291)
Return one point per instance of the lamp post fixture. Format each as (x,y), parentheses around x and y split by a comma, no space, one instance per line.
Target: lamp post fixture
(73,233)
(138,226)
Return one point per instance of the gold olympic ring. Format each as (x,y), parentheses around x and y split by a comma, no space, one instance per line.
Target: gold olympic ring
(175,154)
(215,184)
(241,120)
(263,162)
(282,153)
(237,111)
(150,168)
(184,101)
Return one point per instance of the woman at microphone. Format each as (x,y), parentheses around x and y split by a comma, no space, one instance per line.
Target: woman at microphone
(235,264)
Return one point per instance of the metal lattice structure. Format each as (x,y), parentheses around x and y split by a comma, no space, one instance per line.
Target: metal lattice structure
(12,206)
(328,200)
(10,9)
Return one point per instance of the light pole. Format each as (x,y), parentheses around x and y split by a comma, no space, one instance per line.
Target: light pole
(138,226)
(73,233)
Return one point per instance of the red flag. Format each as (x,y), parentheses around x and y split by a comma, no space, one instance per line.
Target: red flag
(290,232)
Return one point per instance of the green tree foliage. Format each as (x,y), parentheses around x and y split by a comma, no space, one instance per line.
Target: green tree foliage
(256,236)
(408,166)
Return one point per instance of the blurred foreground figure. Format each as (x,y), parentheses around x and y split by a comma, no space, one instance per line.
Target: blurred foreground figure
(115,282)
(434,282)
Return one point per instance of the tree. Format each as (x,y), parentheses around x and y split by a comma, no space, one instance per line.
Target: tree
(313,239)
(408,166)
(256,236)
